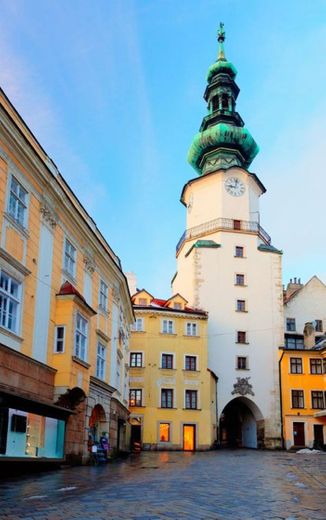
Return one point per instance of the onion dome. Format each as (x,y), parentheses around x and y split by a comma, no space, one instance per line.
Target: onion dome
(222,141)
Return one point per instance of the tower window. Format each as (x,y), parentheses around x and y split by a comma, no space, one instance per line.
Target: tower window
(239,252)
(241,306)
(290,324)
(239,279)
(237,224)
(241,336)
(242,363)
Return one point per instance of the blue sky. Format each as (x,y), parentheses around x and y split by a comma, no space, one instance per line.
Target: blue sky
(113,91)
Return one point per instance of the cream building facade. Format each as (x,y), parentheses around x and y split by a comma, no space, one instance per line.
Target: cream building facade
(172,396)
(227,265)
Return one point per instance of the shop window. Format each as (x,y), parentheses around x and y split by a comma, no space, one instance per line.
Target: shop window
(10,300)
(164,432)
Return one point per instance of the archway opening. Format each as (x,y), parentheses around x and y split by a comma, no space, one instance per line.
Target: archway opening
(97,423)
(241,424)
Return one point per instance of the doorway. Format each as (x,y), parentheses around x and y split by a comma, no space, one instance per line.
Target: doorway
(298,434)
(318,437)
(241,424)
(189,437)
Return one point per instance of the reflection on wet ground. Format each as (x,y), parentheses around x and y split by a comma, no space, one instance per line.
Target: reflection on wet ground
(237,485)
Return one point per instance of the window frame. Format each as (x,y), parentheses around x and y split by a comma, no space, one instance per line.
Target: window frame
(81,334)
(136,354)
(299,398)
(68,259)
(135,327)
(239,363)
(56,339)
(290,325)
(296,363)
(318,364)
(167,392)
(319,326)
(166,329)
(239,340)
(167,423)
(194,357)
(100,360)
(241,305)
(138,401)
(237,249)
(319,398)
(14,299)
(192,402)
(103,296)
(19,202)
(193,327)
(240,280)
(165,356)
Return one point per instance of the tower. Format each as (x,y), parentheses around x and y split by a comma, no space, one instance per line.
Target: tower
(227,266)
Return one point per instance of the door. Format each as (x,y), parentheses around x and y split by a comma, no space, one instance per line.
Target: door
(189,437)
(318,436)
(298,434)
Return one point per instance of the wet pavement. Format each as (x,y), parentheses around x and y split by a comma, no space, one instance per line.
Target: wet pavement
(237,485)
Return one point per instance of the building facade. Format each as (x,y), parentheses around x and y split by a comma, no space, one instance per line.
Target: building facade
(65,311)
(172,396)
(303,365)
(227,265)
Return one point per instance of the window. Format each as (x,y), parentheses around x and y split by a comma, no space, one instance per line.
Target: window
(164,432)
(103,296)
(191,363)
(241,363)
(167,361)
(135,397)
(142,301)
(177,305)
(191,399)
(290,324)
(237,224)
(241,306)
(167,327)
(17,202)
(294,342)
(70,258)
(239,279)
(239,252)
(81,337)
(241,336)
(100,361)
(59,339)
(191,329)
(10,299)
(295,365)
(317,400)
(316,366)
(297,399)
(138,326)
(319,325)
(166,398)
(136,359)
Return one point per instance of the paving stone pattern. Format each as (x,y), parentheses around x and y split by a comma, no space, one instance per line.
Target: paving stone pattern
(237,485)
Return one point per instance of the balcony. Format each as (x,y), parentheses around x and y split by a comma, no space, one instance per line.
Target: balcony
(223,224)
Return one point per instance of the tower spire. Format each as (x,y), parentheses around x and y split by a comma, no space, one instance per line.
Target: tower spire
(221,39)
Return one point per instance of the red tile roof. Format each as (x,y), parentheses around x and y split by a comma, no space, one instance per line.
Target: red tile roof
(157,303)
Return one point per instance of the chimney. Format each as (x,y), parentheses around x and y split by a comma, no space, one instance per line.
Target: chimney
(132,282)
(309,335)
(292,286)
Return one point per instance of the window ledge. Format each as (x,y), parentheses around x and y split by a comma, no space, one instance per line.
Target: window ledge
(296,373)
(194,336)
(168,334)
(169,369)
(69,276)
(135,368)
(17,225)
(80,362)
(11,334)
(103,311)
(138,331)
(236,310)
(166,408)
(240,285)
(242,342)
(193,409)
(188,370)
(236,256)
(242,369)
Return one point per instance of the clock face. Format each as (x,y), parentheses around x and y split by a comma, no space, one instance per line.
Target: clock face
(234,186)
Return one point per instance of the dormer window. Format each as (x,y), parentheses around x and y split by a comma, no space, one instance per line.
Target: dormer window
(177,306)
(142,301)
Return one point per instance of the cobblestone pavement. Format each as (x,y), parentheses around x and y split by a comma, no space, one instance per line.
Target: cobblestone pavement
(237,485)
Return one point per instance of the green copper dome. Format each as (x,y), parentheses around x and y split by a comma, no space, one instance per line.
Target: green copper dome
(223,141)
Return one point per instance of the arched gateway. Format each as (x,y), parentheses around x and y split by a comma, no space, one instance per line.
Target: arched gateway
(241,424)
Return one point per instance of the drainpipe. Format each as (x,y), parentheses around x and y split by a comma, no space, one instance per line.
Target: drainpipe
(281,403)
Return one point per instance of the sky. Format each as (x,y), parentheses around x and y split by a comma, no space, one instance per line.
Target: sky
(112,89)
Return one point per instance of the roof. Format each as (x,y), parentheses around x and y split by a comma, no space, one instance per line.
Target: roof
(157,304)
(297,291)
(67,289)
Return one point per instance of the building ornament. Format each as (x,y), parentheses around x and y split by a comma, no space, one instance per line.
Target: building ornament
(242,386)
(48,214)
(89,264)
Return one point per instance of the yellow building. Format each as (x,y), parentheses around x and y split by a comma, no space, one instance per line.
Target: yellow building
(65,310)
(172,396)
(303,384)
